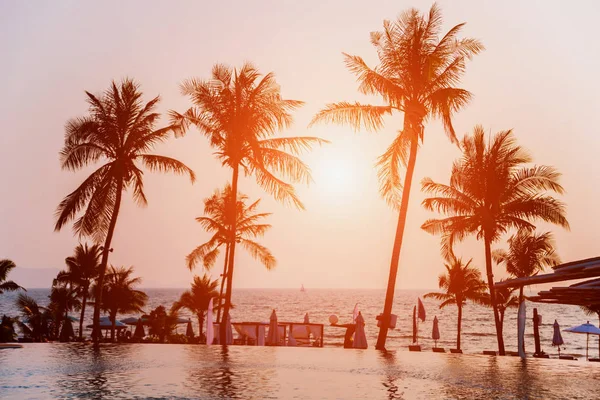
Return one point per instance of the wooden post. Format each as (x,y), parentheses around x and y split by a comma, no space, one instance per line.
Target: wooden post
(536,332)
(322,333)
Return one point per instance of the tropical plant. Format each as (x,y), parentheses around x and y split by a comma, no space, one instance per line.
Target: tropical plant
(62,300)
(161,324)
(505,299)
(460,283)
(196,300)
(5,285)
(120,295)
(35,321)
(239,111)
(7,329)
(492,191)
(82,270)
(528,254)
(416,76)
(218,221)
(119,131)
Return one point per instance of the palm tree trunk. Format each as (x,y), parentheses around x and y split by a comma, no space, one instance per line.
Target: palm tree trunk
(389,295)
(234,184)
(521,299)
(104,262)
(223,278)
(82,315)
(458,328)
(490,276)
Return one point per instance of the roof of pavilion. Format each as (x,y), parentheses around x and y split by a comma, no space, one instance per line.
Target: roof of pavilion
(581,293)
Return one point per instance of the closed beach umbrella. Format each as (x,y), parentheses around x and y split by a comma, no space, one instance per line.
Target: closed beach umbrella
(557,339)
(355,313)
(588,329)
(189,332)
(521,316)
(210,329)
(228,331)
(414,324)
(273,336)
(421,313)
(66,332)
(435,334)
(133,321)
(139,330)
(360,339)
(306,320)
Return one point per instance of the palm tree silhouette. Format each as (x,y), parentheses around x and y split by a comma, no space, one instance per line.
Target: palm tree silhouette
(239,111)
(35,317)
(118,131)
(492,191)
(62,300)
(218,220)
(505,299)
(5,285)
(417,75)
(120,295)
(82,269)
(528,253)
(197,298)
(460,283)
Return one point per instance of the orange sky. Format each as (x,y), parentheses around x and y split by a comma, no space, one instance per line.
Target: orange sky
(538,76)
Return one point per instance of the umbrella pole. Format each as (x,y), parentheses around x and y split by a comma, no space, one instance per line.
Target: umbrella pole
(587,345)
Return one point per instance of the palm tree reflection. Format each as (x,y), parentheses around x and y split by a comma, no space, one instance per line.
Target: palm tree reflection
(392,374)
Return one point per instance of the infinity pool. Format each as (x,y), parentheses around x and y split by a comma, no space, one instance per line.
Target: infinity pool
(188,371)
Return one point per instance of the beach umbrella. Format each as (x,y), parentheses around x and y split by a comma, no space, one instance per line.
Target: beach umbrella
(521,316)
(588,329)
(133,321)
(228,331)
(306,320)
(182,320)
(415,324)
(139,330)
(189,332)
(421,313)
(557,339)
(210,329)
(435,334)
(360,339)
(273,336)
(72,318)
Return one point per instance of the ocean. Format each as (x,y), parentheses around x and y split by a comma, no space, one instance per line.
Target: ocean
(478,332)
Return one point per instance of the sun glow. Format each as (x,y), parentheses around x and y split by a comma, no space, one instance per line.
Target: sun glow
(337,174)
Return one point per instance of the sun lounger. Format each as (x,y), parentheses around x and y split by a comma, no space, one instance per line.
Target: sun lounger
(567,358)
(414,347)
(455,351)
(438,350)
(489,353)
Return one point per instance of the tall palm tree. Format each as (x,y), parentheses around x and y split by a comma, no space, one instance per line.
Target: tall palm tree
(35,318)
(161,324)
(528,253)
(120,295)
(492,191)
(460,283)
(5,285)
(218,220)
(119,132)
(239,111)
(82,270)
(196,300)
(417,76)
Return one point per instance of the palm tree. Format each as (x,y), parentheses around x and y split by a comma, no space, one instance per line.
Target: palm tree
(492,191)
(217,219)
(62,300)
(161,323)
(196,300)
(528,253)
(120,295)
(5,285)
(416,76)
(82,270)
(119,131)
(460,283)
(239,111)
(35,318)
(505,299)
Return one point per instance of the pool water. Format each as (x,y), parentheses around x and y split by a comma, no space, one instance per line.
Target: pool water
(72,370)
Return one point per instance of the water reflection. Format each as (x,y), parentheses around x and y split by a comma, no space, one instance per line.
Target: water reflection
(392,374)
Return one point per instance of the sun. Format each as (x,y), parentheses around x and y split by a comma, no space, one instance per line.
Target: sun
(336,174)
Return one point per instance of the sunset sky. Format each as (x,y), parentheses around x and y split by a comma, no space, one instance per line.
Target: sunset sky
(538,75)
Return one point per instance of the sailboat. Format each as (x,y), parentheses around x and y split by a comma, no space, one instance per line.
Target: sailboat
(302,288)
